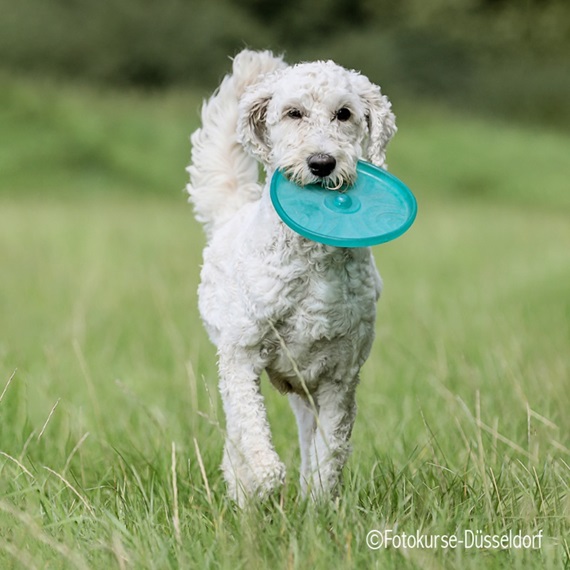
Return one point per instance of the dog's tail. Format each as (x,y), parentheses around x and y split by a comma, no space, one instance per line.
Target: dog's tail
(223,177)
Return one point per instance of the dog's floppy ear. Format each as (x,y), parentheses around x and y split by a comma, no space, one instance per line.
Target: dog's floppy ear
(252,128)
(381,120)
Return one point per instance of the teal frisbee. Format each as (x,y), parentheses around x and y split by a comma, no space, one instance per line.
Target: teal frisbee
(377,208)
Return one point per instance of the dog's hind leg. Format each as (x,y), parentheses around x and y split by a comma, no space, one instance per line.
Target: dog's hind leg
(306,423)
(251,465)
(337,411)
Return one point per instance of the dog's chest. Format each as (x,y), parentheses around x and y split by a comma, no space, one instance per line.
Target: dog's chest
(324,317)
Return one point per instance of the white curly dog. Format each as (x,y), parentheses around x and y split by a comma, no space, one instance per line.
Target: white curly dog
(271,299)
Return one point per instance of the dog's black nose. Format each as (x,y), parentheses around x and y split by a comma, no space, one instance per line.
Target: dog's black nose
(321,164)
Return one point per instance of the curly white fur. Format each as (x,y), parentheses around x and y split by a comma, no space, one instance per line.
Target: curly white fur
(270,299)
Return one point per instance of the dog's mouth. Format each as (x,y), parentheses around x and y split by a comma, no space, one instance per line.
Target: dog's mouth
(336,184)
(338,180)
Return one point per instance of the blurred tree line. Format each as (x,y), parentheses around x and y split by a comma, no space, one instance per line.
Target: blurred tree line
(505,56)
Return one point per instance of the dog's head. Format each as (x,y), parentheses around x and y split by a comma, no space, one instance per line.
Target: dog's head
(314,121)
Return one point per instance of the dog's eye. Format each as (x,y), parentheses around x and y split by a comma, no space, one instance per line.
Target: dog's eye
(294,114)
(343,114)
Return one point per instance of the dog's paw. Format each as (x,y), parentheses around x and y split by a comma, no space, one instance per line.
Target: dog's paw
(269,479)
(257,479)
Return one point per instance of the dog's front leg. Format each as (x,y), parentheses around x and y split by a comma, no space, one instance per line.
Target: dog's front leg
(251,466)
(337,411)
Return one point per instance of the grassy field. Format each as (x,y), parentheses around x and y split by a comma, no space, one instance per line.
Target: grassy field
(110,422)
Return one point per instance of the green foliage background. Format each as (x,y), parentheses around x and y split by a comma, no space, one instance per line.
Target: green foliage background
(505,57)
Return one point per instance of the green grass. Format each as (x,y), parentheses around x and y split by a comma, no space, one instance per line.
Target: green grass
(463,407)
